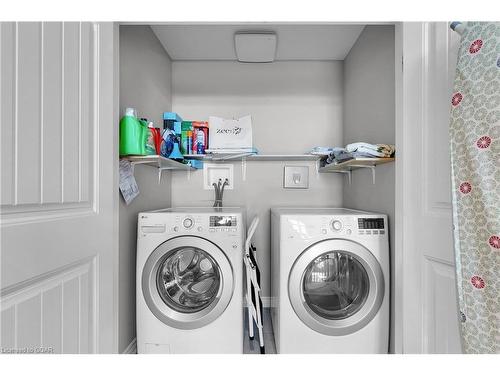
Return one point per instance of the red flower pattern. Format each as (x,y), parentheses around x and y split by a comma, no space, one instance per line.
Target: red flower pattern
(477,282)
(465,187)
(494,242)
(476,46)
(456,99)
(483,142)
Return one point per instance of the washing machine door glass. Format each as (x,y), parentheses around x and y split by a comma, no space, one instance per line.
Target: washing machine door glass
(188,279)
(336,287)
(187,282)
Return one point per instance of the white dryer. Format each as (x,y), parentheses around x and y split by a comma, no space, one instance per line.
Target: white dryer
(189,281)
(329,281)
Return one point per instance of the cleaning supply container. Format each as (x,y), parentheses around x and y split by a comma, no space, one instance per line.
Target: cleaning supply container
(169,118)
(186,128)
(133,134)
(168,138)
(200,137)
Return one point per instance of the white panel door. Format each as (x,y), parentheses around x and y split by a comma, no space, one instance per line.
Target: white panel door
(427,274)
(58,187)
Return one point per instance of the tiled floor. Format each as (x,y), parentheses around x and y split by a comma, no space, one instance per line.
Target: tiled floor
(252,346)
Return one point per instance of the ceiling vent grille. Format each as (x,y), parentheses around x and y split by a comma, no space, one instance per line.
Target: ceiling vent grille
(255,47)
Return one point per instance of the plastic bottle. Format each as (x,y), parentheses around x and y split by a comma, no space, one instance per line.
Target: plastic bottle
(186,126)
(151,137)
(176,152)
(200,137)
(133,134)
(189,141)
(167,142)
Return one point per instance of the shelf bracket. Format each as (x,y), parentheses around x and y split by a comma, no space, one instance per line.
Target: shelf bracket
(133,163)
(348,173)
(371,167)
(160,172)
(244,168)
(373,174)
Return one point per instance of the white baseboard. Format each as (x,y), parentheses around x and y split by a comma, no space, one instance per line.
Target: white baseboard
(131,348)
(266,302)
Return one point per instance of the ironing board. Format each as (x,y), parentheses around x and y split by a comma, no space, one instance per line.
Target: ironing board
(253,298)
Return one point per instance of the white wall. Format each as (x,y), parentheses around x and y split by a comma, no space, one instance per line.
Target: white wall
(294,106)
(145,84)
(369,115)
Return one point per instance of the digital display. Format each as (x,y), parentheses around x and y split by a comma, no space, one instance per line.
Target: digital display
(222,221)
(371,223)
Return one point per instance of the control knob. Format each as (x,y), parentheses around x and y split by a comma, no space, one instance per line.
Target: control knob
(187,223)
(336,225)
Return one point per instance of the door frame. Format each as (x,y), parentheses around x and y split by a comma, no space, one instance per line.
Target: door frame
(397,294)
(115,105)
(411,78)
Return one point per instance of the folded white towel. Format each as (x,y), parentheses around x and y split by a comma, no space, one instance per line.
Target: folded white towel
(379,150)
(351,147)
(325,151)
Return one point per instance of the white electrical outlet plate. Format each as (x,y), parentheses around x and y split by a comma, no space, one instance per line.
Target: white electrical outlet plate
(295,177)
(213,172)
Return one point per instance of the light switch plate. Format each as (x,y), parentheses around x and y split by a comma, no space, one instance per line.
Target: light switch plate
(213,172)
(296,177)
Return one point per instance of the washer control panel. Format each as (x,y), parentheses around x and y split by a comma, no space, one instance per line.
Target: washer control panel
(197,224)
(223,223)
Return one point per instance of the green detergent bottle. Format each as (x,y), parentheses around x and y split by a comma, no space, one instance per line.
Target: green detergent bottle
(133,134)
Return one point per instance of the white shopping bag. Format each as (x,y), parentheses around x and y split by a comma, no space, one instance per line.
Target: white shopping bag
(224,133)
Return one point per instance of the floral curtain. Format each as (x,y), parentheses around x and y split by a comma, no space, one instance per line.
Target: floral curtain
(475,159)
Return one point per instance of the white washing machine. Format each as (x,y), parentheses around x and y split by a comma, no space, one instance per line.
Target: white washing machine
(329,281)
(189,281)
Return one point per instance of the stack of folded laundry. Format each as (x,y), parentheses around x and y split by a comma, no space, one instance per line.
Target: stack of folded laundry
(356,150)
(375,151)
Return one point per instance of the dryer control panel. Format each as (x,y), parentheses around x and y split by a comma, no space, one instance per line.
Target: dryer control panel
(371,225)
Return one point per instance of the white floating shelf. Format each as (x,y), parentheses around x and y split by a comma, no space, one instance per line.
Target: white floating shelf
(159,162)
(351,165)
(254,157)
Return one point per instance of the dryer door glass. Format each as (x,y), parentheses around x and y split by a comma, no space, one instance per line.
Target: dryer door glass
(335,285)
(188,280)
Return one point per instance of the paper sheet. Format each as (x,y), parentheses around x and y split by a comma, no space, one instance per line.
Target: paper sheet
(128,185)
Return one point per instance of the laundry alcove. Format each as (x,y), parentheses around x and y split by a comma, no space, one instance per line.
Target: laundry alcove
(329,85)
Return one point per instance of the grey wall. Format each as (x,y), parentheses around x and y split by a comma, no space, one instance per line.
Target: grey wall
(294,106)
(145,84)
(369,115)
